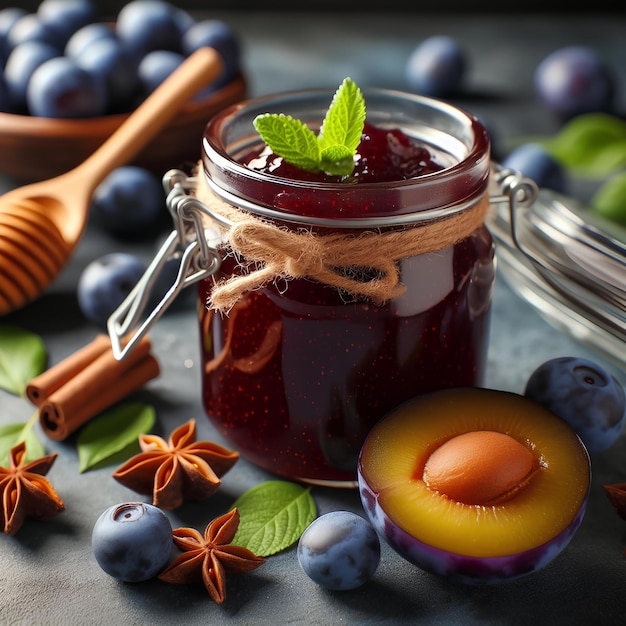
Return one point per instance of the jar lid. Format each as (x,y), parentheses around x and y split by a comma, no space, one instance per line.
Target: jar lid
(569,264)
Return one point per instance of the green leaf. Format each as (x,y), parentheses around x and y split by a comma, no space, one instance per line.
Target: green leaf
(289,138)
(344,120)
(610,199)
(112,433)
(273,515)
(593,144)
(22,357)
(12,434)
(337,160)
(333,150)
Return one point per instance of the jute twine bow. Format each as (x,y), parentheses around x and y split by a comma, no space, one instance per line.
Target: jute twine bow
(341,260)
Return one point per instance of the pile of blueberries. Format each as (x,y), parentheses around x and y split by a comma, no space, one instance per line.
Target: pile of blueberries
(64,61)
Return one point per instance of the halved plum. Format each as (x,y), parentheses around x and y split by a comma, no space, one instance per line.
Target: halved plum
(480,485)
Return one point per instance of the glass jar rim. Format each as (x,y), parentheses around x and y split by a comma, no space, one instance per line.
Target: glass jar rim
(455,188)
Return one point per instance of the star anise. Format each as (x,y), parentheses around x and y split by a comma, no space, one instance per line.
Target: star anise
(177,470)
(207,558)
(616,494)
(25,492)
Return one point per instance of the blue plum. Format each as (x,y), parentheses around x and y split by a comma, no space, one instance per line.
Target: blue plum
(132,541)
(111,62)
(104,284)
(220,36)
(65,17)
(574,80)
(8,17)
(146,25)
(339,550)
(583,394)
(61,88)
(31,28)
(535,162)
(156,66)
(81,39)
(129,203)
(436,67)
(20,66)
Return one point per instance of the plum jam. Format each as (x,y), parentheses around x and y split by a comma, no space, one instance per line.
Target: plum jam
(298,370)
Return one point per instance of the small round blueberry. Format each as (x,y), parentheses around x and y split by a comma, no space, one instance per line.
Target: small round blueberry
(132,541)
(583,394)
(339,550)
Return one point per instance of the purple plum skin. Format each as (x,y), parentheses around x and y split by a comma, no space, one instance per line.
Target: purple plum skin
(132,541)
(459,568)
(583,394)
(574,80)
(339,550)
(536,163)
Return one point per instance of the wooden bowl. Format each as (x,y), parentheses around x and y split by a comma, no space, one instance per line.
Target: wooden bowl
(37,148)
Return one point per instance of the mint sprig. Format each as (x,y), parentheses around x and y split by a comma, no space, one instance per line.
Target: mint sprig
(332,150)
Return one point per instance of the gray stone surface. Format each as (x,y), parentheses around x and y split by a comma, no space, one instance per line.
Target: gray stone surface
(47,572)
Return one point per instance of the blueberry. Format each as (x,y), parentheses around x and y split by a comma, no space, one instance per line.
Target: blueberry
(65,17)
(220,36)
(129,203)
(20,66)
(60,88)
(132,541)
(535,162)
(574,80)
(156,66)
(339,550)
(436,67)
(104,284)
(83,37)
(112,63)
(583,394)
(146,25)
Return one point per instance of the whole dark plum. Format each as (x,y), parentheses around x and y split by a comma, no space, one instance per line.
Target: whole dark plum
(536,163)
(574,80)
(146,25)
(20,66)
(129,203)
(583,394)
(436,67)
(132,541)
(61,88)
(104,284)
(65,17)
(339,550)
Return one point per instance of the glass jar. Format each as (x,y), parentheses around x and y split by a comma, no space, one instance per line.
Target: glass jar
(298,369)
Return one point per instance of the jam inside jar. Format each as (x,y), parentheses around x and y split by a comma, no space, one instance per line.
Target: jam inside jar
(297,372)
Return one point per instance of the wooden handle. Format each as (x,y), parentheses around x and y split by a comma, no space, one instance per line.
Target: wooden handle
(198,70)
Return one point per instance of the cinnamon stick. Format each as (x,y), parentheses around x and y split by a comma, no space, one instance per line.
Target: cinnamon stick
(77,389)
(42,386)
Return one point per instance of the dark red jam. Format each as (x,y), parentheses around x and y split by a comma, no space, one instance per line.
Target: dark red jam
(297,373)
(384,155)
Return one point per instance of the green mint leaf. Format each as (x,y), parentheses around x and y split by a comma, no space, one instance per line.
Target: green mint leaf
(22,357)
(112,437)
(12,434)
(273,515)
(289,138)
(344,120)
(333,150)
(337,160)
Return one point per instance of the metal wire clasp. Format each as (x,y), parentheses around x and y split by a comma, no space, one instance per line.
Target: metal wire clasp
(191,244)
